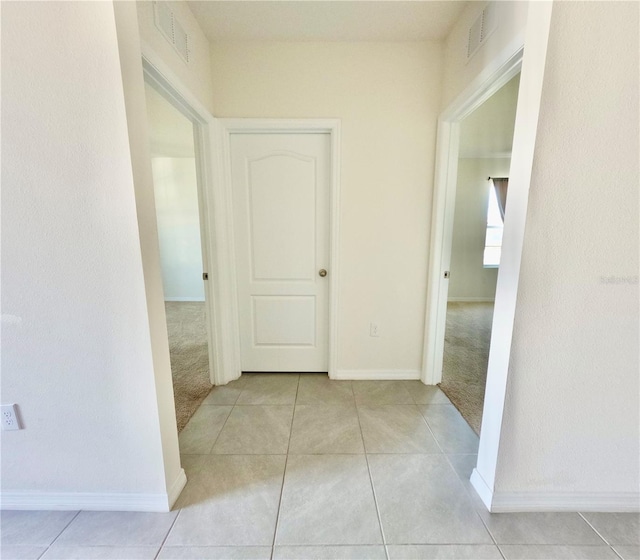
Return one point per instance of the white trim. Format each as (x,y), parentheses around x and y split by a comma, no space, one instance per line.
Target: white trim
(94,501)
(566,501)
(176,488)
(481,488)
(497,73)
(223,186)
(376,374)
(224,350)
(471,299)
(183,299)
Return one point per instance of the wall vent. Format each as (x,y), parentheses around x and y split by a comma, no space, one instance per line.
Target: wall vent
(482,27)
(170,27)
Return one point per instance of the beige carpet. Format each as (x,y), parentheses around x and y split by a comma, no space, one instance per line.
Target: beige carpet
(466,353)
(189,357)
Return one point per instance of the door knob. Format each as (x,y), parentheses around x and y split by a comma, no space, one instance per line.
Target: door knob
(322,272)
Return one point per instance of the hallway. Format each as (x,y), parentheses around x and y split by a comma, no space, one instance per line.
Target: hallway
(294,466)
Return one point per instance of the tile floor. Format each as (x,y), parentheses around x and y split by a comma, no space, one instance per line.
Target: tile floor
(300,467)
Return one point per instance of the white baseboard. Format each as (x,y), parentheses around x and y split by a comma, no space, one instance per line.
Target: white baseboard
(566,501)
(471,299)
(512,502)
(183,299)
(376,374)
(92,501)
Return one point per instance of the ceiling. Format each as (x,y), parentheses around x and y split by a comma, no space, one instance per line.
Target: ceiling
(337,20)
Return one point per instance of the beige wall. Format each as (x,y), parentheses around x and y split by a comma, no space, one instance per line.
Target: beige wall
(469,279)
(195,74)
(387,96)
(571,420)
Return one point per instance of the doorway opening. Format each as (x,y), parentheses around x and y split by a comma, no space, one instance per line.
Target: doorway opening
(175,162)
(486,138)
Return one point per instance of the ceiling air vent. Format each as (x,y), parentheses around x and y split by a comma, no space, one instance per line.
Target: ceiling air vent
(170,27)
(482,27)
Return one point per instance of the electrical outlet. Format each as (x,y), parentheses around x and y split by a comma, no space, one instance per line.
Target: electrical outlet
(374,330)
(10,417)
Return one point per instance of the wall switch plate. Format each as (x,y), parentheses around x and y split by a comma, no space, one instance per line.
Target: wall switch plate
(374,330)
(10,417)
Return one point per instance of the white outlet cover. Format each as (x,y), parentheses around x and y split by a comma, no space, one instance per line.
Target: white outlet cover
(9,416)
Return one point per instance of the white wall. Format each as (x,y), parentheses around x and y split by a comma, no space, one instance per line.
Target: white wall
(571,420)
(387,96)
(195,74)
(76,347)
(176,195)
(469,279)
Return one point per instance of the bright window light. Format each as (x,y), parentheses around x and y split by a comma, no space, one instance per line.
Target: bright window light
(493,237)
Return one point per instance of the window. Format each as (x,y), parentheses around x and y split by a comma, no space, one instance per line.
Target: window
(493,237)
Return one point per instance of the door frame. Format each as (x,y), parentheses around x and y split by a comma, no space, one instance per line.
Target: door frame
(223,354)
(442,219)
(228,126)
(530,60)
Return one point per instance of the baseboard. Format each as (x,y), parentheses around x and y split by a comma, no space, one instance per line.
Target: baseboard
(379,374)
(177,487)
(471,299)
(183,299)
(566,501)
(513,502)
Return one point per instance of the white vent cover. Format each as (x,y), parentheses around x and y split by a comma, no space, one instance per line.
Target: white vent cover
(482,27)
(170,27)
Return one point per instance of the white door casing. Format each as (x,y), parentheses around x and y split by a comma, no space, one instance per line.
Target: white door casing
(281,187)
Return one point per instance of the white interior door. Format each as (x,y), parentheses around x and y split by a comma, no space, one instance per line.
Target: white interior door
(280,186)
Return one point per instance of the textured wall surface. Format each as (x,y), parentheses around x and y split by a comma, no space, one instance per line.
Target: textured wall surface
(572,410)
(76,352)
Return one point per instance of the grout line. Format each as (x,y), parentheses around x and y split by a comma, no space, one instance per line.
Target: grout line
(60,533)
(284,473)
(373,489)
(594,529)
(167,535)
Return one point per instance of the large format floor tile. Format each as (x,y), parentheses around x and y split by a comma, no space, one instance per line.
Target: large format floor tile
(616,528)
(38,528)
(540,528)
(201,432)
(381,392)
(226,394)
(230,500)
(269,389)
(450,429)
(422,501)
(627,552)
(319,389)
(327,499)
(557,552)
(345,552)
(117,528)
(426,394)
(444,552)
(21,552)
(395,429)
(101,553)
(215,553)
(255,430)
(325,429)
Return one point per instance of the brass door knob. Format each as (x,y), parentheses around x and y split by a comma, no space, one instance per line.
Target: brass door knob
(322,272)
